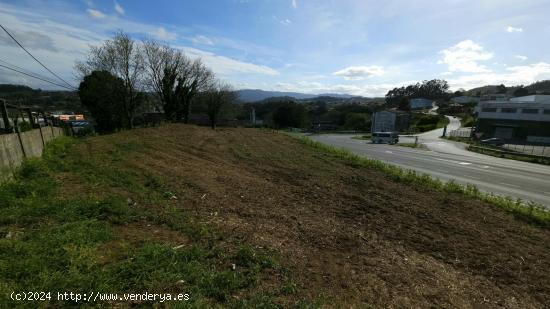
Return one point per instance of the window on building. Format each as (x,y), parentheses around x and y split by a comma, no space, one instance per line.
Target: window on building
(508,110)
(489,110)
(529,111)
(547,111)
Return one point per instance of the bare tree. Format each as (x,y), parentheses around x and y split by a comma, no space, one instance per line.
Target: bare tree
(175,78)
(193,78)
(218,96)
(162,64)
(122,57)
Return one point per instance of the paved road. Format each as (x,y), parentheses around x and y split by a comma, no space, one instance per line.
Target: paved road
(450,161)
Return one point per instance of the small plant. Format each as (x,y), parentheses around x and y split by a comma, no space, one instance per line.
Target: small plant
(531,213)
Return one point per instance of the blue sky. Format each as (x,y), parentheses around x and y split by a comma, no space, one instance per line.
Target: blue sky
(359,47)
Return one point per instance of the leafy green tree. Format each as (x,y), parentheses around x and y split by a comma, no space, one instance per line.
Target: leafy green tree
(103,93)
(122,57)
(358,121)
(521,91)
(434,89)
(290,114)
(404,104)
(501,89)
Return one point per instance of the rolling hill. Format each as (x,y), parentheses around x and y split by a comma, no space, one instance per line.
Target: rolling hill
(254,95)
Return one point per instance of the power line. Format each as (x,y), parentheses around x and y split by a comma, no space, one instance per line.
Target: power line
(33,76)
(24,70)
(33,57)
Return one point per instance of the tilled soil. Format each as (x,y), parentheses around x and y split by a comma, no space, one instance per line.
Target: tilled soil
(352,237)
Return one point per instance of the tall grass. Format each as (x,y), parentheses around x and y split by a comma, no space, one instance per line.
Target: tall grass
(527,211)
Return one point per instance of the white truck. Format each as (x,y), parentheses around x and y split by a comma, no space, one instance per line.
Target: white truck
(385,137)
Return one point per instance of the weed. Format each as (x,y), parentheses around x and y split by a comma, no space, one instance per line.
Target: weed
(68,243)
(533,213)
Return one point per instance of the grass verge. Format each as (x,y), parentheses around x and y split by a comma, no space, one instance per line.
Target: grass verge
(529,212)
(411,145)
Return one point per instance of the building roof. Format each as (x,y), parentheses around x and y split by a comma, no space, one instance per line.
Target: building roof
(421,100)
(537,98)
(465,99)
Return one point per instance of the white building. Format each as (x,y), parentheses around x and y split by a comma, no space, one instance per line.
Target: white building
(390,121)
(518,119)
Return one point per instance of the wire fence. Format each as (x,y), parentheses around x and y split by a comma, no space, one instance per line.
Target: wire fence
(536,150)
(465,133)
(18,119)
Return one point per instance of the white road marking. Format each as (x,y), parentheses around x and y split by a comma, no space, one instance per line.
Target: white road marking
(509,184)
(464,163)
(389,151)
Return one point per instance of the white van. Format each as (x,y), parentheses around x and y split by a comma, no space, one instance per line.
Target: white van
(385,137)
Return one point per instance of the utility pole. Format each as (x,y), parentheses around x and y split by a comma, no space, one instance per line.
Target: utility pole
(5,118)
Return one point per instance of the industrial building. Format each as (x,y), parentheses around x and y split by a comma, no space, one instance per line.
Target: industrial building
(517,120)
(390,121)
(464,100)
(421,103)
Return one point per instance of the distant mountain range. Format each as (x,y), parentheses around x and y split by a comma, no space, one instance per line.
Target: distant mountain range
(253,95)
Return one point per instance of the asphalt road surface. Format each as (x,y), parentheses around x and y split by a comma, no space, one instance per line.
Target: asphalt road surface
(448,160)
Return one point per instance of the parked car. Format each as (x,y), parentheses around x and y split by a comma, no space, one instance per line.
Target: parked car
(495,141)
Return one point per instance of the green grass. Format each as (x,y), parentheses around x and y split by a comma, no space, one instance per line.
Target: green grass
(526,211)
(466,140)
(70,244)
(443,121)
(366,137)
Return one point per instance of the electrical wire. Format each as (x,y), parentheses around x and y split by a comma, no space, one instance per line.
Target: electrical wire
(33,76)
(23,69)
(33,57)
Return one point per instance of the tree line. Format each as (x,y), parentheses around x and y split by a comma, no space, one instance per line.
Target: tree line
(434,89)
(123,77)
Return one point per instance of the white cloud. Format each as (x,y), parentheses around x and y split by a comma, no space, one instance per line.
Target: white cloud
(464,57)
(511,29)
(294,3)
(367,90)
(119,8)
(360,72)
(285,22)
(55,43)
(202,40)
(512,76)
(69,41)
(520,57)
(162,34)
(227,66)
(95,13)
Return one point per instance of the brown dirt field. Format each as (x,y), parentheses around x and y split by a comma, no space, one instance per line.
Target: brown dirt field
(350,236)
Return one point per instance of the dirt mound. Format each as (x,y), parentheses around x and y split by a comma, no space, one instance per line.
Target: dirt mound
(350,235)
